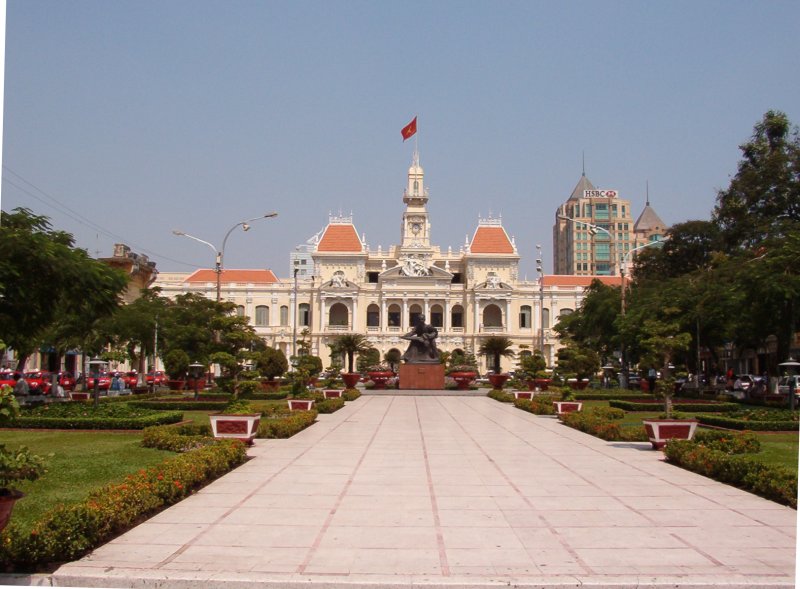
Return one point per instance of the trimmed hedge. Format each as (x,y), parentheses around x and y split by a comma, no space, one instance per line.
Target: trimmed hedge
(351,394)
(776,483)
(329,405)
(501,396)
(677,406)
(285,426)
(590,395)
(97,423)
(537,405)
(67,533)
(185,405)
(177,438)
(746,424)
(602,424)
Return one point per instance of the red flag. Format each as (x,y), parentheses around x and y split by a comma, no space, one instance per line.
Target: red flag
(410,129)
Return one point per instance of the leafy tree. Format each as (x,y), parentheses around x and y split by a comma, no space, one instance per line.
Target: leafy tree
(271,363)
(594,325)
(495,347)
(350,344)
(533,365)
(393,357)
(687,247)
(577,359)
(369,358)
(176,364)
(44,278)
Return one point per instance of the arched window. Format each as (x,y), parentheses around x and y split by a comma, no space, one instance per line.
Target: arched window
(304,314)
(565,313)
(546,318)
(240,310)
(262,316)
(394,315)
(437,316)
(457,316)
(525,317)
(284,315)
(492,316)
(338,315)
(373,315)
(414,311)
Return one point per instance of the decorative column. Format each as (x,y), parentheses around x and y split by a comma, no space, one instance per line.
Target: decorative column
(446,319)
(355,310)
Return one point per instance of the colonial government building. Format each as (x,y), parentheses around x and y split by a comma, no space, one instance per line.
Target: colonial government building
(338,284)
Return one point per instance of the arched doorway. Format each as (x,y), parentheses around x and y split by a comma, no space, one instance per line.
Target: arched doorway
(492,316)
(338,315)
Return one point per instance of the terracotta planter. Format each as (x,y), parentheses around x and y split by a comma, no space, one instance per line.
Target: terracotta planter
(330,394)
(7,500)
(239,427)
(498,380)
(176,385)
(661,430)
(463,379)
(79,396)
(567,406)
(523,395)
(380,378)
(300,404)
(351,379)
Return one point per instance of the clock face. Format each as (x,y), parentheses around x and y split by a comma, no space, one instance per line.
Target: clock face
(416,228)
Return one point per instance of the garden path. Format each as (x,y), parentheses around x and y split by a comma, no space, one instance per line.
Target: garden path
(447,491)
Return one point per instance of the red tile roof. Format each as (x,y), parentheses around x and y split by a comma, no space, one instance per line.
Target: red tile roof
(491,240)
(339,238)
(570,280)
(243,276)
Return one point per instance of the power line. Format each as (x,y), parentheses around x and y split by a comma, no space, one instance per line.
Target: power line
(78,218)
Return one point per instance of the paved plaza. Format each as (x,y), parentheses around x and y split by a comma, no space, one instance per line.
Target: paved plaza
(452,491)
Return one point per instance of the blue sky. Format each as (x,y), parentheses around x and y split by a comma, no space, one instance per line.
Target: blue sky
(138,117)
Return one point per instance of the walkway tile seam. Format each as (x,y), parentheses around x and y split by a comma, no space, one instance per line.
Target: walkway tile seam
(633,509)
(437,523)
(511,483)
(249,495)
(327,523)
(532,419)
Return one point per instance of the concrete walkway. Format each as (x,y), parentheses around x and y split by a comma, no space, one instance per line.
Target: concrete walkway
(452,492)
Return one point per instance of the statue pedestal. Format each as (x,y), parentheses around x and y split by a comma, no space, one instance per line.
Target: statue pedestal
(422,376)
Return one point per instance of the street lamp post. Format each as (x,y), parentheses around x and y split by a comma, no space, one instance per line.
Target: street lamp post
(294,313)
(540,270)
(220,253)
(623,268)
(791,366)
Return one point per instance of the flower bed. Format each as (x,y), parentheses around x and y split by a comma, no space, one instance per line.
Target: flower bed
(691,406)
(180,405)
(610,394)
(754,419)
(281,426)
(68,533)
(601,422)
(351,394)
(329,405)
(723,461)
(501,396)
(537,405)
(87,416)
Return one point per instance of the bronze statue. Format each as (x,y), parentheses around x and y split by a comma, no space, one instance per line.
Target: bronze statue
(422,343)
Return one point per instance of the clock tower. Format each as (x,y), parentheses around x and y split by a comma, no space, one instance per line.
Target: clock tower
(415,232)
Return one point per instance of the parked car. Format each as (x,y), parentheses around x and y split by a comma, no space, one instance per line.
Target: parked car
(66,380)
(38,382)
(785,381)
(158,378)
(7,377)
(131,379)
(103,381)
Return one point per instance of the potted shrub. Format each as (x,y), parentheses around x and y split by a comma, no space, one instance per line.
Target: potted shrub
(567,404)
(176,365)
(379,374)
(495,347)
(350,344)
(239,420)
(532,368)
(662,429)
(463,375)
(15,465)
(270,364)
(301,399)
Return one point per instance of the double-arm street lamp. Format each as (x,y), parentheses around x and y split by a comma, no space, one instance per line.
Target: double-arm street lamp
(220,253)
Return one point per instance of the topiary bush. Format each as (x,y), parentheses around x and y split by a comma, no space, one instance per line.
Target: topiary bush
(286,425)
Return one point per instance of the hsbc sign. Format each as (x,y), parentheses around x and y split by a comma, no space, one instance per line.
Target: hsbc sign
(600,193)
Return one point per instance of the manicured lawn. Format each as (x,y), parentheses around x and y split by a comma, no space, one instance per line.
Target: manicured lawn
(77,463)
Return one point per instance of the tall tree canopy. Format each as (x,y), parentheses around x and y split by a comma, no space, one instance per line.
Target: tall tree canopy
(45,279)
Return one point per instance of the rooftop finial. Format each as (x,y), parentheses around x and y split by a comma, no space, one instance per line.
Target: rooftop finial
(583,163)
(647,192)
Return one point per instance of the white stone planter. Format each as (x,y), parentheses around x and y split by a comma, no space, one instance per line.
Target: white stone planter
(332,394)
(567,406)
(659,431)
(523,395)
(300,404)
(239,427)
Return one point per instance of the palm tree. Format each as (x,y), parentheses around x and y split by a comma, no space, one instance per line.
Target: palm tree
(496,346)
(351,344)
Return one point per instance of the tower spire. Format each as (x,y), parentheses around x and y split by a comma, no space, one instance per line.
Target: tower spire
(647,192)
(583,163)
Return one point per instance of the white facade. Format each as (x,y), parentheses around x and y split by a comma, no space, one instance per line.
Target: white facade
(467,295)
